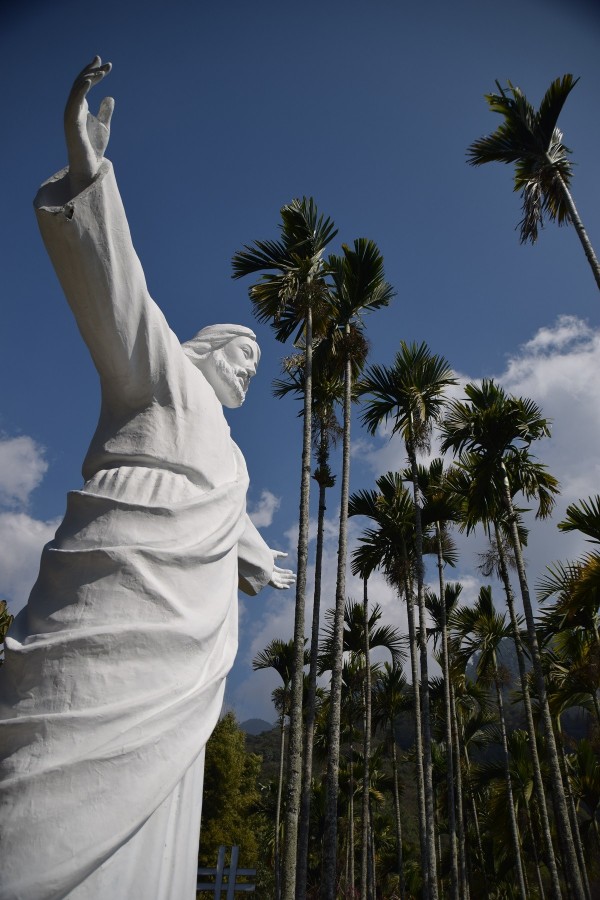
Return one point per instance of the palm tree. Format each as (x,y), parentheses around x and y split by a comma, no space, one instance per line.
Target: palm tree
(498,431)
(390,699)
(480,630)
(292,294)
(482,504)
(440,508)
(411,394)
(279,655)
(359,287)
(327,393)
(390,547)
(361,631)
(530,139)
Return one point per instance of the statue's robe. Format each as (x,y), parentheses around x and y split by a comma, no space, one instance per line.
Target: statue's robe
(114,677)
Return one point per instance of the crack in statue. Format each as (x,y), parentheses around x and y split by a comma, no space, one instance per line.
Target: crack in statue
(115,670)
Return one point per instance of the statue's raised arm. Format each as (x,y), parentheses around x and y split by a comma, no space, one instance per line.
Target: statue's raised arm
(87,135)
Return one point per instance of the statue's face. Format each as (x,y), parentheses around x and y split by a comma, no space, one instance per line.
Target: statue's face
(230,369)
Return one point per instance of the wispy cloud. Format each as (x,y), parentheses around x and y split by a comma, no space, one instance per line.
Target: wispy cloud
(262,512)
(22,467)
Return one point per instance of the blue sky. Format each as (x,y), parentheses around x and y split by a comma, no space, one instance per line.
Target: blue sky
(223,114)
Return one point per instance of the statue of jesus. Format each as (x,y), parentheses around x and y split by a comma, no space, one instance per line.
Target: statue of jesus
(115,671)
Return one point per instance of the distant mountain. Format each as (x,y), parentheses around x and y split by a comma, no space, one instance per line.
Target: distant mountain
(256,726)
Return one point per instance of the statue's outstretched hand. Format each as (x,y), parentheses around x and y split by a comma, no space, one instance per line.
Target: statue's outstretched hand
(86,135)
(281,578)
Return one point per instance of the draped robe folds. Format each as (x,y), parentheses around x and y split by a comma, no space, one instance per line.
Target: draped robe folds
(115,671)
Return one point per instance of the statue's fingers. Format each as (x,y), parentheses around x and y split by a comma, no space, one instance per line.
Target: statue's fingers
(106,110)
(94,64)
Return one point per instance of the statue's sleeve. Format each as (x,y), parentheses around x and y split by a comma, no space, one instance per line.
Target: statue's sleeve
(88,240)
(255,560)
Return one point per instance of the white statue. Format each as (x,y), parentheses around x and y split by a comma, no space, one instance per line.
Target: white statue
(114,676)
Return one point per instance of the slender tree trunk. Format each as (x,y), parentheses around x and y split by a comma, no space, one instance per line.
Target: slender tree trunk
(278,808)
(572,871)
(514,828)
(398,816)
(538,783)
(581,232)
(351,875)
(572,809)
(426,720)
(304,828)
(366,751)
(536,858)
(448,710)
(463,891)
(330,841)
(294,781)
(475,818)
(412,639)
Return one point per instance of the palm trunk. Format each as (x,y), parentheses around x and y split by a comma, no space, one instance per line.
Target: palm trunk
(295,741)
(449,748)
(426,721)
(475,818)
(572,809)
(278,808)
(572,872)
(514,829)
(351,875)
(330,840)
(398,816)
(538,783)
(366,751)
(304,826)
(581,232)
(412,639)
(460,815)
(536,859)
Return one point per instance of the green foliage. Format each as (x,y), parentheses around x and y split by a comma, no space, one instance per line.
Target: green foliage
(530,139)
(6,621)
(230,795)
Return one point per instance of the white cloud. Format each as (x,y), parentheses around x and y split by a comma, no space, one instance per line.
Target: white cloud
(22,467)
(21,541)
(262,513)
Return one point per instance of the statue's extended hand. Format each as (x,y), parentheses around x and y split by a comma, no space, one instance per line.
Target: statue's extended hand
(281,578)
(86,135)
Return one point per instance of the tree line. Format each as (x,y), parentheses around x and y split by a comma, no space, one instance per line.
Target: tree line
(523,821)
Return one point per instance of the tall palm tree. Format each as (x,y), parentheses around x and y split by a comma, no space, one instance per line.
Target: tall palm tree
(440,509)
(411,394)
(359,286)
(498,431)
(389,546)
(292,294)
(279,655)
(390,699)
(530,139)
(480,630)
(327,394)
(482,504)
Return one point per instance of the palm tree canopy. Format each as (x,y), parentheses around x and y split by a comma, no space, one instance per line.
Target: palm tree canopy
(479,629)
(293,267)
(496,431)
(278,655)
(585,517)
(410,392)
(531,140)
(385,636)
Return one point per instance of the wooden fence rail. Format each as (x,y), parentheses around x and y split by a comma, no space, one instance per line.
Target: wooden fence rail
(225,877)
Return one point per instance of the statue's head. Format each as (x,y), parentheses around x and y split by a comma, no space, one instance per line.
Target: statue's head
(227,356)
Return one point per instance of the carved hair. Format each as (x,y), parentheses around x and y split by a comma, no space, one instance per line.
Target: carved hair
(213,337)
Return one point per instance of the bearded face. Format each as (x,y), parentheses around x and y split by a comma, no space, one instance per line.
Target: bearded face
(229,369)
